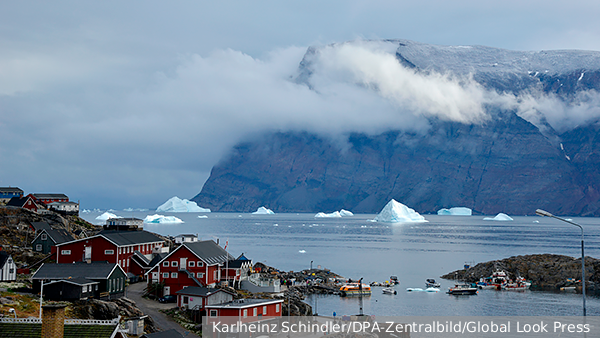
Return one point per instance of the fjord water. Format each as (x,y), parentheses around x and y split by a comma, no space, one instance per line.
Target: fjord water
(357,247)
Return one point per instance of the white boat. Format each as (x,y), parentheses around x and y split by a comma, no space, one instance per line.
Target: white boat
(355,289)
(389,291)
(462,289)
(431,283)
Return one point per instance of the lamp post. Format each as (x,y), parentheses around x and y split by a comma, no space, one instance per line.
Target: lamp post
(541,212)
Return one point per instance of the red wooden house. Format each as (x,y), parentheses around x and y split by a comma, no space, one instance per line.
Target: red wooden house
(245,310)
(112,246)
(190,264)
(26,202)
(49,198)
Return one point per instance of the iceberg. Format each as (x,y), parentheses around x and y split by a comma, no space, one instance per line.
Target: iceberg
(263,211)
(176,204)
(346,213)
(499,217)
(460,211)
(333,214)
(105,216)
(396,212)
(161,219)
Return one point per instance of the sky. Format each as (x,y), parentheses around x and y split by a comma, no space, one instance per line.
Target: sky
(124,104)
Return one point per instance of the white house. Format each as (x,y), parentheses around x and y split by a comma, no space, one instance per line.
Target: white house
(8,268)
(186,238)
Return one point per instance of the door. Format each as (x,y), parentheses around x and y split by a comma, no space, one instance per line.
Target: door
(182,263)
(155,277)
(167,291)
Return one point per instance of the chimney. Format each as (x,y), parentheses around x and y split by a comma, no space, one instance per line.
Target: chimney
(53,321)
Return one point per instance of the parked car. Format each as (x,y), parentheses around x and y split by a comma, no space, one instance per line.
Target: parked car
(168,299)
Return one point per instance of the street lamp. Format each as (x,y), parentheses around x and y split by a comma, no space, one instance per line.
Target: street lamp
(541,212)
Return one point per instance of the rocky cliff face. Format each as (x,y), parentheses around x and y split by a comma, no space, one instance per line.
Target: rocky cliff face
(506,164)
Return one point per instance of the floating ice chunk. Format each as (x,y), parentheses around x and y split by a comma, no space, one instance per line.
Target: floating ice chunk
(302,251)
(499,217)
(202,216)
(161,219)
(105,216)
(396,212)
(459,211)
(128,209)
(263,211)
(333,214)
(176,204)
(346,213)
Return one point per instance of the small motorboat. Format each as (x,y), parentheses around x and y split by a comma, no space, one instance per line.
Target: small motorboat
(462,289)
(389,291)
(431,283)
(394,279)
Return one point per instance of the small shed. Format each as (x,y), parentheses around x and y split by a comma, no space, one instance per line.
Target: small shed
(71,289)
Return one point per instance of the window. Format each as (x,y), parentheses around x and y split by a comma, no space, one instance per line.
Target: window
(44,237)
(200,264)
(65,252)
(109,252)
(245,313)
(277,308)
(38,247)
(254,312)
(173,274)
(120,251)
(200,275)
(191,274)
(213,313)
(264,310)
(192,264)
(165,275)
(166,264)
(185,299)
(174,263)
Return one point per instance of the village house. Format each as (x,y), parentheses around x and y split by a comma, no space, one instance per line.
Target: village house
(186,238)
(49,198)
(8,268)
(6,193)
(26,202)
(245,310)
(68,281)
(65,208)
(38,226)
(190,264)
(236,270)
(124,224)
(114,247)
(196,298)
(47,239)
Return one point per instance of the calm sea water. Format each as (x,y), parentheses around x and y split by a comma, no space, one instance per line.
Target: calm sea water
(356,247)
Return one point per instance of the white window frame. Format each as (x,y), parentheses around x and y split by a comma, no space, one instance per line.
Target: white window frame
(38,247)
(191,264)
(276,308)
(166,264)
(200,264)
(173,274)
(65,252)
(200,275)
(165,275)
(109,252)
(213,313)
(174,264)
(245,312)
(255,312)
(264,310)
(44,237)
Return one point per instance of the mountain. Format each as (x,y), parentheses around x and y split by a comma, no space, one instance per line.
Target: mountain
(513,162)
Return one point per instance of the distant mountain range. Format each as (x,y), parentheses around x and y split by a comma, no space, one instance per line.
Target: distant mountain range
(513,162)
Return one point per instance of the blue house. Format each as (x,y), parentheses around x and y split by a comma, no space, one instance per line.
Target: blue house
(6,193)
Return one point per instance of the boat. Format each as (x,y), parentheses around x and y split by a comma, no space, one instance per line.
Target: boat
(497,281)
(389,291)
(355,289)
(394,279)
(520,284)
(431,283)
(462,289)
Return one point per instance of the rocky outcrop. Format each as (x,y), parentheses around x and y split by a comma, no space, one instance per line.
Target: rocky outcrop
(105,310)
(546,271)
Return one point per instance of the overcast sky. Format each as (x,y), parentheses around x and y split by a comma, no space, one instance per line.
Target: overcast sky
(128,103)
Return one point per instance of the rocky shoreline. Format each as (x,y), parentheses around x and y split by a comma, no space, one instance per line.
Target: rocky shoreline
(546,272)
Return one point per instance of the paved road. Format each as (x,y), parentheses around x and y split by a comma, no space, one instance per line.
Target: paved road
(152,307)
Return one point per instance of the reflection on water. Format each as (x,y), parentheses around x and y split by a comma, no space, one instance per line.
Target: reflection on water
(356,247)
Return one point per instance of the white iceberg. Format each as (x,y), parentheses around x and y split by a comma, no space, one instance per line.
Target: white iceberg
(396,212)
(161,219)
(456,211)
(176,204)
(333,214)
(105,216)
(346,213)
(263,211)
(499,217)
